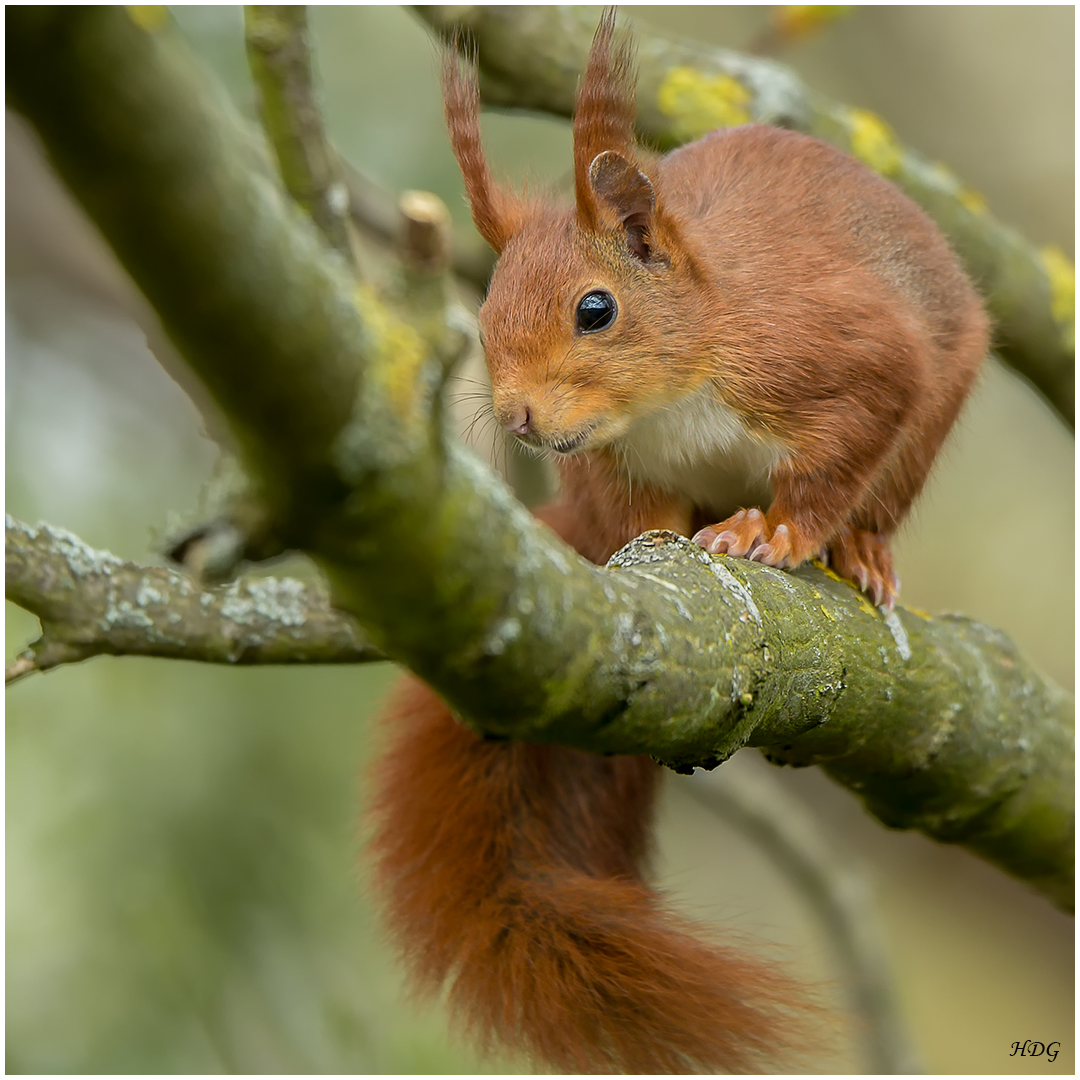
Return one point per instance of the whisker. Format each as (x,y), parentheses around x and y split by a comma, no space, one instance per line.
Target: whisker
(485,411)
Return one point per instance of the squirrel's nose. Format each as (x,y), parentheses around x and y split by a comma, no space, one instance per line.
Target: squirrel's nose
(519,421)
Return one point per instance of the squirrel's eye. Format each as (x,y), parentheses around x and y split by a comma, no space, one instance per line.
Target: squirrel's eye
(596,311)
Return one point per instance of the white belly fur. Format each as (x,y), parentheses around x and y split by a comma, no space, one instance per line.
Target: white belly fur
(699,447)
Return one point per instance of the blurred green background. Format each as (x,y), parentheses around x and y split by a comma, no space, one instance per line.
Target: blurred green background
(183,883)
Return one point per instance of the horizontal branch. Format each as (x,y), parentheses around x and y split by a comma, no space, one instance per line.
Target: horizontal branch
(92,603)
(533,57)
(938,724)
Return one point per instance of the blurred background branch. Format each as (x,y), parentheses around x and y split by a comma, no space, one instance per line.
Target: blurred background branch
(840,896)
(277,47)
(793,24)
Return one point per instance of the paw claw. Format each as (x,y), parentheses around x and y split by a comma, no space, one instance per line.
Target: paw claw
(705,538)
(864,558)
(735,544)
(747,535)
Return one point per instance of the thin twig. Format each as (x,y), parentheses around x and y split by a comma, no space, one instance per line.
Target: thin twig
(280,61)
(20,666)
(375,210)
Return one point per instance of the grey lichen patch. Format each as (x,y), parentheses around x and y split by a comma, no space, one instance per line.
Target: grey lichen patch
(147,594)
(266,600)
(735,587)
(82,560)
(11,525)
(896,628)
(624,631)
(502,634)
(122,613)
(941,729)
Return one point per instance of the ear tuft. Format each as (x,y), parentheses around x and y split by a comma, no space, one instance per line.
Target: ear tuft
(604,111)
(622,187)
(496,214)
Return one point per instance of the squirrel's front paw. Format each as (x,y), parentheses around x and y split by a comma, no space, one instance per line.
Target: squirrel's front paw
(748,535)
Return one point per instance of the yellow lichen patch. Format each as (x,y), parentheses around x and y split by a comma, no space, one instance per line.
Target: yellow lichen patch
(944,176)
(918,611)
(796,21)
(866,605)
(863,602)
(825,612)
(149,17)
(1062,274)
(971,200)
(830,573)
(699,103)
(398,353)
(873,141)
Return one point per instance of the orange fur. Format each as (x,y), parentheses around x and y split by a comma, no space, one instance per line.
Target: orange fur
(816,307)
(496,213)
(791,331)
(604,116)
(512,875)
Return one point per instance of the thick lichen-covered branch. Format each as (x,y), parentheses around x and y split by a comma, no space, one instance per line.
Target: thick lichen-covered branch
(533,57)
(937,723)
(92,603)
(252,270)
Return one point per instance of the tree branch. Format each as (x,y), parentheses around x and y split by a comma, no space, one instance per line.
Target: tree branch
(375,210)
(532,57)
(280,61)
(91,603)
(330,190)
(938,724)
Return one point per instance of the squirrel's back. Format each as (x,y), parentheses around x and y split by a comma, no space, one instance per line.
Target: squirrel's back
(769,209)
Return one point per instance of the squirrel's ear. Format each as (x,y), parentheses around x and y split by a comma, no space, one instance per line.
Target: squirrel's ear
(497,214)
(623,188)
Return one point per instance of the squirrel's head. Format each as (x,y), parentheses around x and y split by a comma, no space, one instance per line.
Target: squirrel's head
(580,324)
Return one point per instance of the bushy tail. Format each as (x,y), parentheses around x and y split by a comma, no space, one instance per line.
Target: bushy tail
(511,874)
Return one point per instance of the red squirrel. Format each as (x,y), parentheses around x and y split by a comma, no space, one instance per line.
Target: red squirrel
(753,315)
